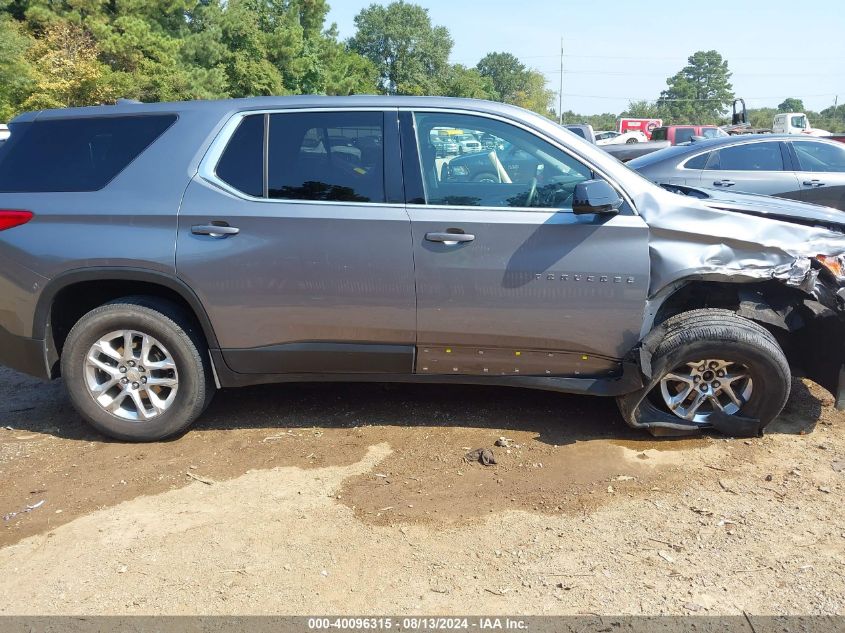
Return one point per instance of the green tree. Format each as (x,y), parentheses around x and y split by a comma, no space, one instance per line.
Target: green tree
(791,104)
(534,95)
(467,82)
(700,92)
(16,72)
(643,110)
(68,72)
(506,72)
(410,54)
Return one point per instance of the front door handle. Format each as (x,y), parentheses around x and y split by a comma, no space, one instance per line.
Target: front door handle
(220,229)
(813,183)
(724,183)
(449,238)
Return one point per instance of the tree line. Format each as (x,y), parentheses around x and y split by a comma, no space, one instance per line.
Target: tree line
(61,53)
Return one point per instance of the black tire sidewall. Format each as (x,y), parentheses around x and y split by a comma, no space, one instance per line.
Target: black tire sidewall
(192,381)
(770,388)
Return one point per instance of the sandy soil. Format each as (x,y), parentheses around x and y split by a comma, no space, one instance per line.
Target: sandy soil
(313,499)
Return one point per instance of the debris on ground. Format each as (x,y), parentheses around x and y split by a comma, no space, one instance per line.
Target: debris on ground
(483,455)
(504,442)
(838,465)
(202,480)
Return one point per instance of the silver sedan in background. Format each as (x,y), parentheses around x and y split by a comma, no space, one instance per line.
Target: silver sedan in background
(788,166)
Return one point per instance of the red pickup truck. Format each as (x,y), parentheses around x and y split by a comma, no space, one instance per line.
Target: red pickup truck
(682,133)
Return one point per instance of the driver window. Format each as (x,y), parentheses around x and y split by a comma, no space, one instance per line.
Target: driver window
(474,161)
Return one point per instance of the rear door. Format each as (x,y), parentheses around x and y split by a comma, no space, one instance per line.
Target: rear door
(296,239)
(509,280)
(753,167)
(821,172)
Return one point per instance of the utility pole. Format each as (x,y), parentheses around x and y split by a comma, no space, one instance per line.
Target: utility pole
(560,94)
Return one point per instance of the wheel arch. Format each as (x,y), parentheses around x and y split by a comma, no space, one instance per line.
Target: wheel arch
(807,325)
(81,290)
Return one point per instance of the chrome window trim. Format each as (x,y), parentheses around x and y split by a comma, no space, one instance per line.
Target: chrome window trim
(611,181)
(726,146)
(208,165)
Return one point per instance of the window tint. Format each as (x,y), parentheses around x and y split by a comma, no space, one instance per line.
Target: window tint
(75,154)
(242,162)
(327,156)
(659,134)
(820,156)
(697,162)
(519,170)
(748,157)
(684,134)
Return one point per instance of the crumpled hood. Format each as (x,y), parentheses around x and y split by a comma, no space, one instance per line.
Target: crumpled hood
(735,237)
(775,208)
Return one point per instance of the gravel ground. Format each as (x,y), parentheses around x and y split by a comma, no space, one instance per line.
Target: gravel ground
(310,499)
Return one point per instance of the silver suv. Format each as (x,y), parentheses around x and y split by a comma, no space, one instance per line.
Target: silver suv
(150,253)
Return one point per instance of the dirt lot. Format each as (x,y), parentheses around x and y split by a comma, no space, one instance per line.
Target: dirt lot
(313,499)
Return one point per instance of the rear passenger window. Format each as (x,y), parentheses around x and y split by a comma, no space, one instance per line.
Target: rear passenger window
(327,156)
(82,154)
(748,157)
(242,162)
(698,162)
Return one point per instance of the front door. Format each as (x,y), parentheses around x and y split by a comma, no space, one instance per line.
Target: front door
(296,239)
(509,280)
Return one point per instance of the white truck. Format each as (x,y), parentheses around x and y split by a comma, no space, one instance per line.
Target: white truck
(795,123)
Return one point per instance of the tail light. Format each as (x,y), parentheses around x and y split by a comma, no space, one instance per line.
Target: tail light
(10,218)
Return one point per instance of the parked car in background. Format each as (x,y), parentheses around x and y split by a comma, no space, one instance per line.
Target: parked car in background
(617,138)
(4,132)
(631,124)
(467,144)
(154,252)
(444,145)
(795,123)
(801,168)
(621,151)
(677,134)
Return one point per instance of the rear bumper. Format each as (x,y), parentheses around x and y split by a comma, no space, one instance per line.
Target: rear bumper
(23,354)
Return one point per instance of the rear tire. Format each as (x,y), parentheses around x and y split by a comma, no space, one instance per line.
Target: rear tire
(122,401)
(694,347)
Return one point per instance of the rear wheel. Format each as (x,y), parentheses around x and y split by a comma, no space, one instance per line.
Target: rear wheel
(135,369)
(713,361)
(631,140)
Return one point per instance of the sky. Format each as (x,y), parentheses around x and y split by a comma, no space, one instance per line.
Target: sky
(616,51)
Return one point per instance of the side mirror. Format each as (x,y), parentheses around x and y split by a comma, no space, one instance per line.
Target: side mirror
(595,196)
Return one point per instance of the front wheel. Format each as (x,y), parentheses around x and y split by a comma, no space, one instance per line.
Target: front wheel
(713,368)
(135,369)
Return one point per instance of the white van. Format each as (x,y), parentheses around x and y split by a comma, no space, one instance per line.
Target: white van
(795,123)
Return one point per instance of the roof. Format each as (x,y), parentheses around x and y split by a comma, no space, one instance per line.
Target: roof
(222,106)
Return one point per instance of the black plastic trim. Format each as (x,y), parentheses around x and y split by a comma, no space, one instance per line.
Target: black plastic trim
(411,170)
(23,354)
(117,273)
(629,380)
(323,358)
(394,187)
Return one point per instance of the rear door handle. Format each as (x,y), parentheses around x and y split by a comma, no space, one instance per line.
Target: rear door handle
(724,183)
(215,230)
(813,183)
(449,238)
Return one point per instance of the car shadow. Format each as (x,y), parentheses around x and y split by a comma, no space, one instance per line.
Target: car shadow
(554,418)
